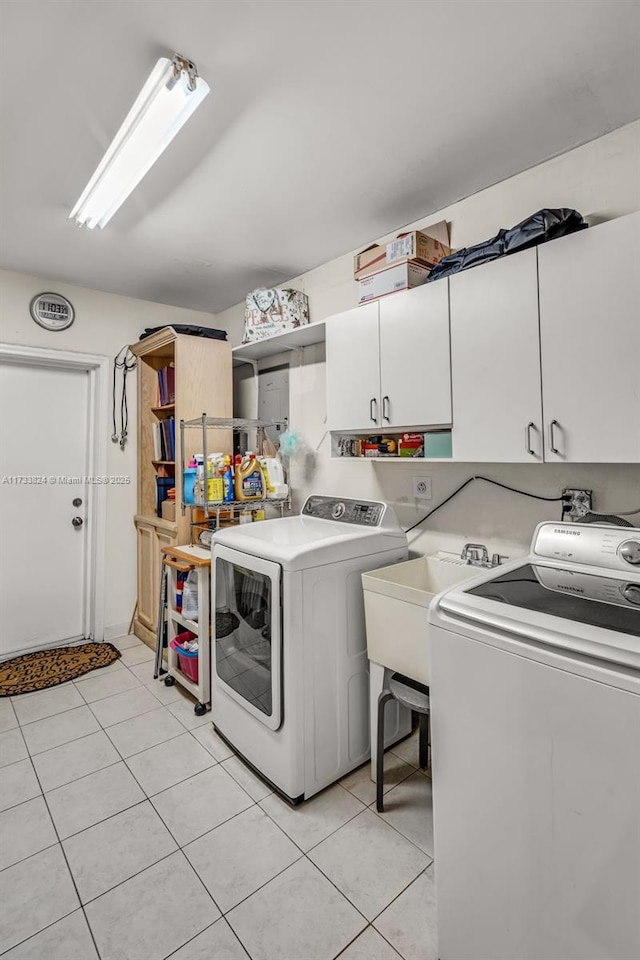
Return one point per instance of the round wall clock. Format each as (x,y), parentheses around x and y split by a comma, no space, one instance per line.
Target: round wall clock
(52,311)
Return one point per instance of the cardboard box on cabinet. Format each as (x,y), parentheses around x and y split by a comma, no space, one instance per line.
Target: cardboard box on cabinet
(418,246)
(403,276)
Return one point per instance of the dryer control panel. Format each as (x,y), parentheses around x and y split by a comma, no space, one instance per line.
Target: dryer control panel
(365,513)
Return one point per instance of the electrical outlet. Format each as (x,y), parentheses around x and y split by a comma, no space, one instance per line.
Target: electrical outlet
(422,488)
(575,503)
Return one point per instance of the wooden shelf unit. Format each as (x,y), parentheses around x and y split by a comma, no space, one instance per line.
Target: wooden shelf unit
(203,382)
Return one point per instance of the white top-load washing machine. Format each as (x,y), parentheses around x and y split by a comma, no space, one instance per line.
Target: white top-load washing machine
(535,697)
(289,658)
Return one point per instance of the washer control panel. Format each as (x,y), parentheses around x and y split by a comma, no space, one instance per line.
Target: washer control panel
(596,545)
(365,513)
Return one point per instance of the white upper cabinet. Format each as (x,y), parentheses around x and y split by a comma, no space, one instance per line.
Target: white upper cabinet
(495,360)
(388,363)
(415,362)
(590,336)
(353,369)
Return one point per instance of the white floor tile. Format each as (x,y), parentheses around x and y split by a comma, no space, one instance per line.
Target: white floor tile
(298,914)
(46,703)
(240,856)
(12,747)
(68,939)
(140,733)
(201,803)
(139,654)
(98,688)
(18,783)
(369,946)
(369,862)
(62,728)
(124,706)
(166,694)
(87,801)
(210,740)
(99,673)
(153,914)
(315,819)
(113,851)
(143,671)
(169,763)
(74,760)
(360,784)
(219,942)
(8,719)
(125,643)
(254,786)
(410,922)
(408,808)
(183,710)
(35,893)
(25,830)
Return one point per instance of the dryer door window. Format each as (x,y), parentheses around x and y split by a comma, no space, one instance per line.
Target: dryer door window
(248,633)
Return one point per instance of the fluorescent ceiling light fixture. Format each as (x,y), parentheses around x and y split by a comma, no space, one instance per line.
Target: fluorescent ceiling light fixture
(165,103)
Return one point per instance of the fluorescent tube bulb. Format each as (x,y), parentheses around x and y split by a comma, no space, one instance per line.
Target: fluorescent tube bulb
(164,104)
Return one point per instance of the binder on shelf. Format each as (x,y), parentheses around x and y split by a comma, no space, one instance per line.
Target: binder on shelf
(157,441)
(167,384)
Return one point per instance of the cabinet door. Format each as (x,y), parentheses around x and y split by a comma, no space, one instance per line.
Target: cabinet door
(415,361)
(148,575)
(353,369)
(495,361)
(590,332)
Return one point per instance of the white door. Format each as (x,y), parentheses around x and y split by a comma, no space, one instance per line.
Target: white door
(353,369)
(43,555)
(415,360)
(495,361)
(590,332)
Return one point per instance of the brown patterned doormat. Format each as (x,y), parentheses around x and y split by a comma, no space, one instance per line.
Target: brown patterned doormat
(48,668)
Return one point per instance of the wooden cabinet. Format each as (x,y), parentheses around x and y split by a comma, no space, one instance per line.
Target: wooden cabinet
(203,384)
(388,363)
(590,337)
(495,353)
(545,352)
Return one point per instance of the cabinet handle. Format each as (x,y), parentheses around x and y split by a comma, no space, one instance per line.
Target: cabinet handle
(385,409)
(373,409)
(552,446)
(527,438)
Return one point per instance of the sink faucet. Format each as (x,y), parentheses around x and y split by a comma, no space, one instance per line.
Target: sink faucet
(477,555)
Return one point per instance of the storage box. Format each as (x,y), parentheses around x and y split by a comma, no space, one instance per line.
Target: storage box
(418,246)
(437,444)
(411,445)
(169,510)
(401,277)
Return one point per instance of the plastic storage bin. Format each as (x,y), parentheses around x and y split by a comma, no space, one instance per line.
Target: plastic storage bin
(187,661)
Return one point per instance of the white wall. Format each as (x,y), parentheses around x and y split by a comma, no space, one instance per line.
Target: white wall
(600,179)
(104,324)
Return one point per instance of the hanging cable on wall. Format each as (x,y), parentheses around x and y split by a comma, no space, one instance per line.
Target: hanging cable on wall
(125,361)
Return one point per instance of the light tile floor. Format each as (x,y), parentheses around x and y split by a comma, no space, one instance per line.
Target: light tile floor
(128,829)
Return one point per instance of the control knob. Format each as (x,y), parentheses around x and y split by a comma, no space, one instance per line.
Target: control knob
(630,551)
(337,511)
(631,592)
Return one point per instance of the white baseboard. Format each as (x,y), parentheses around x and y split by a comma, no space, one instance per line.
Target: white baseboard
(116,630)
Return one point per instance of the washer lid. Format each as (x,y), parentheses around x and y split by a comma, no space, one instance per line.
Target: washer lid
(590,614)
(300,542)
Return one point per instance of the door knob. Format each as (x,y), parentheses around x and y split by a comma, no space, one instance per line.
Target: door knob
(77,521)
(77,502)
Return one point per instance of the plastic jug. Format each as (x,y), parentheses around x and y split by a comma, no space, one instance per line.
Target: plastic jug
(189,482)
(249,481)
(276,488)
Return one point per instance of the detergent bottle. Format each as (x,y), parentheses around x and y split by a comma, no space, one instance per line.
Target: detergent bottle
(227,480)
(249,480)
(189,482)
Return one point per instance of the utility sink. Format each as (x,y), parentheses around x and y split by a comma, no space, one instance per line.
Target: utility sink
(396,600)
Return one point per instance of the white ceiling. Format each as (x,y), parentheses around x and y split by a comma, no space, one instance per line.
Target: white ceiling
(329,123)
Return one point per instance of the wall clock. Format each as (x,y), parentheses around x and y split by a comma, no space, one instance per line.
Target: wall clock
(52,311)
